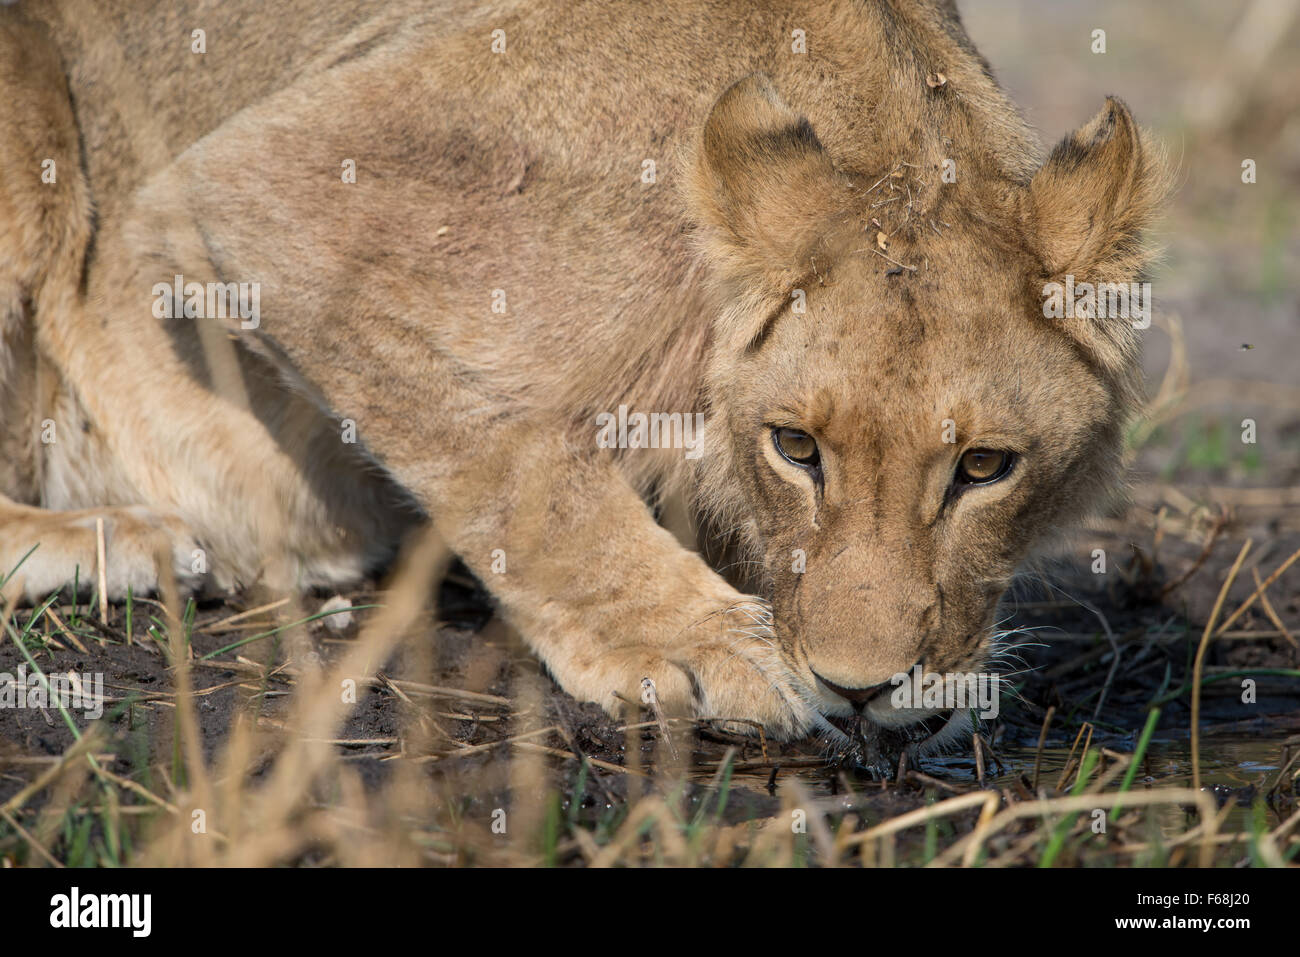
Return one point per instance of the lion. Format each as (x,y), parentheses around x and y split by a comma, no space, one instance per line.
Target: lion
(280,283)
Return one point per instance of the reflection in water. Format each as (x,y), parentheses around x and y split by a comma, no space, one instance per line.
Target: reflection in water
(1238,767)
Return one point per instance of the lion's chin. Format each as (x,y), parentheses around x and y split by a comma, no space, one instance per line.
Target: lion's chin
(870,746)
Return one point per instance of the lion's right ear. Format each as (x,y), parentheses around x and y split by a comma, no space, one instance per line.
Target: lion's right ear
(761,186)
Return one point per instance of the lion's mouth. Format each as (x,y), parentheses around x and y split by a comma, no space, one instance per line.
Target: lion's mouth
(876,748)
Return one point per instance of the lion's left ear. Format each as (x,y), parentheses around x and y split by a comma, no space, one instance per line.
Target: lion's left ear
(761,186)
(1088,209)
(1098,191)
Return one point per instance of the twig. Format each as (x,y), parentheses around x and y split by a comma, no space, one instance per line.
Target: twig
(934,782)
(85,746)
(928,813)
(1042,738)
(488,746)
(887,259)
(570,756)
(1069,761)
(1199,664)
(35,844)
(1258,591)
(1219,523)
(49,612)
(1070,805)
(650,698)
(101,555)
(882,179)
(224,622)
(1114,663)
(1270,612)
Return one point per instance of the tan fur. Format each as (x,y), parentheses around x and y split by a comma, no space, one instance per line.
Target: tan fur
(522,171)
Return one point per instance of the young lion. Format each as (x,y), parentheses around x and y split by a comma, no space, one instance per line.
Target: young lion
(278,282)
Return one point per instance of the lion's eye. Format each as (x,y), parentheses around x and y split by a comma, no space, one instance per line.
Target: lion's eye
(797,448)
(982,466)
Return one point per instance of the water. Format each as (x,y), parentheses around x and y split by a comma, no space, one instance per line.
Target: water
(1234,762)
(1239,767)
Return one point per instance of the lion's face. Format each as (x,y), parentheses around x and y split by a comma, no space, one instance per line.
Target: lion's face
(903,423)
(902,444)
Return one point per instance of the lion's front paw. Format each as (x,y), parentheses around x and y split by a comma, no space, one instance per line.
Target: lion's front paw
(140,538)
(728,666)
(741,673)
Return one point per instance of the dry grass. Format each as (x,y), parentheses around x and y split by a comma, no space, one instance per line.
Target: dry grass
(288,791)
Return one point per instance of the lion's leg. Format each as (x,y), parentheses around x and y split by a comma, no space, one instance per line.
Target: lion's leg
(42,551)
(108,413)
(45,225)
(604,595)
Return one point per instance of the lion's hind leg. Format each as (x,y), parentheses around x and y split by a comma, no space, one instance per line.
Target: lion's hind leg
(43,551)
(45,227)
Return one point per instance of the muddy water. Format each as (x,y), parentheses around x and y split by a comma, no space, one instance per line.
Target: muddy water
(1233,762)
(1238,768)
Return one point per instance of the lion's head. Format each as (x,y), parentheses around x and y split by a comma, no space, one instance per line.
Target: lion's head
(901,421)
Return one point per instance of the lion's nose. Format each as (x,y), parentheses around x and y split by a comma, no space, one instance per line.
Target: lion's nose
(858,696)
